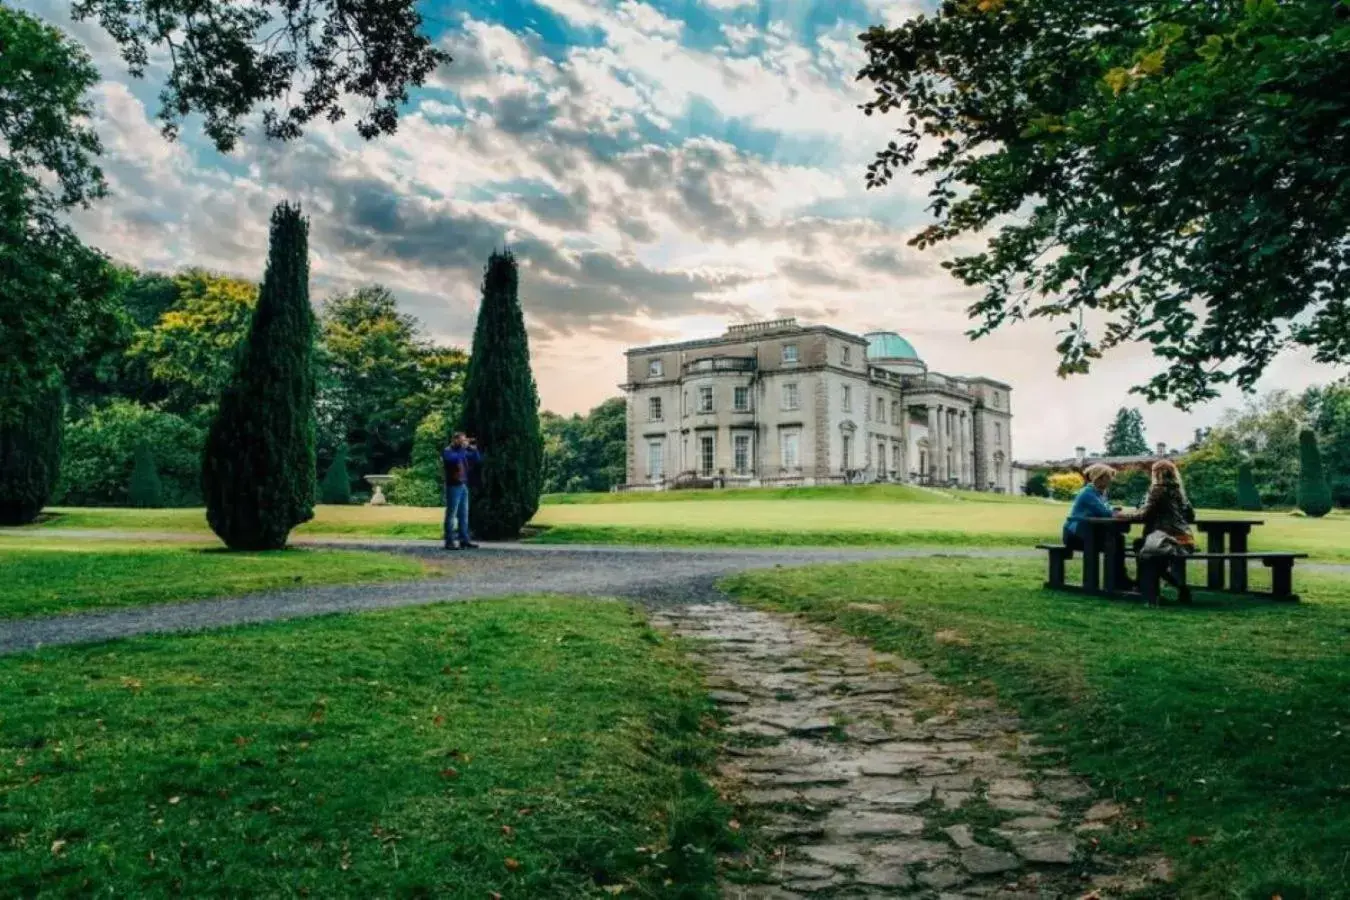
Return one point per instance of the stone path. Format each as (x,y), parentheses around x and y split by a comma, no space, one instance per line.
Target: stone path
(871,779)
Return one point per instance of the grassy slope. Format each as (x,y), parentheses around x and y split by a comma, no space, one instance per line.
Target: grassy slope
(1226,726)
(534,748)
(871,514)
(49,577)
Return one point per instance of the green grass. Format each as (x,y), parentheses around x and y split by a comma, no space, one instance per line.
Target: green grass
(858,516)
(532,748)
(1225,726)
(47,577)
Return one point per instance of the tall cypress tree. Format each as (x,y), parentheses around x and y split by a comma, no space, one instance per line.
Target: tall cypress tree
(258,468)
(1248,497)
(1314,494)
(501,409)
(145,490)
(30,455)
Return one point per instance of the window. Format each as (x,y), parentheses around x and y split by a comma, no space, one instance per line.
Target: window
(881,456)
(846,354)
(895,411)
(654,409)
(881,410)
(741,454)
(994,401)
(705,399)
(998,435)
(790,353)
(848,452)
(790,398)
(706,456)
(656,461)
(848,399)
(790,444)
(740,399)
(895,457)
(655,368)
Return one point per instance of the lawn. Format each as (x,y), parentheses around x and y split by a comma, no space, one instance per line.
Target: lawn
(522,748)
(46,577)
(856,516)
(1225,727)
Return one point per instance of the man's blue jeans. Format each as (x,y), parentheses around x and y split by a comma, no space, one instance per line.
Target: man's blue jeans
(457,513)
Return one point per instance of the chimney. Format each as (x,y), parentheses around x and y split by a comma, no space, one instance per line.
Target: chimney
(1162,450)
(1082,454)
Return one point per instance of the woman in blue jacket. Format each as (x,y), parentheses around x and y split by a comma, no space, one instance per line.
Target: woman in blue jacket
(1090,503)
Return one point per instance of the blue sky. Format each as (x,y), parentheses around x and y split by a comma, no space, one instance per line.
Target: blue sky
(660,167)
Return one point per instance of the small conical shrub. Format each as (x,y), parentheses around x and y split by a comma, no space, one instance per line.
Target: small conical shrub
(258,468)
(336,488)
(145,491)
(30,455)
(1248,497)
(1314,494)
(501,409)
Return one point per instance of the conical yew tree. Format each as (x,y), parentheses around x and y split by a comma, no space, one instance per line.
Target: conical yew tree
(1248,497)
(30,455)
(145,490)
(1314,494)
(258,469)
(501,409)
(336,487)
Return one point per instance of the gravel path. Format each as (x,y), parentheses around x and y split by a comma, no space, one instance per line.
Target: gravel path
(653,575)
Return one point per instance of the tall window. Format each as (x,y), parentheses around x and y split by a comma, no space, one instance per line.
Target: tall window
(705,399)
(790,398)
(848,399)
(846,354)
(895,411)
(740,399)
(881,409)
(656,461)
(895,457)
(848,453)
(741,454)
(654,409)
(706,454)
(881,456)
(790,442)
(655,368)
(790,353)
(998,435)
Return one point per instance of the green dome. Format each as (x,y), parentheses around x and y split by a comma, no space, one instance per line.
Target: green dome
(889,345)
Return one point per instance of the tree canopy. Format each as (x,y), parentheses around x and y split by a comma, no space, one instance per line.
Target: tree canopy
(1125,434)
(296,59)
(1164,171)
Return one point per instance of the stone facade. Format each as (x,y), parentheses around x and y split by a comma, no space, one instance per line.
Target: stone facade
(778,403)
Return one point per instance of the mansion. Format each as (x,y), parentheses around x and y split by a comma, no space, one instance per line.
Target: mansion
(779,403)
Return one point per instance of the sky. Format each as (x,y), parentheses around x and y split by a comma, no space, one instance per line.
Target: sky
(661,169)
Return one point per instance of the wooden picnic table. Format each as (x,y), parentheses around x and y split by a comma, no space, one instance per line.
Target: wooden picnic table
(1227,536)
(1104,554)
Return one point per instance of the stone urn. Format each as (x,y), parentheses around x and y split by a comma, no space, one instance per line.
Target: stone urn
(378,482)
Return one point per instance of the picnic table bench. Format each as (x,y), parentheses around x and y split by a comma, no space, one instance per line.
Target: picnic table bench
(1226,554)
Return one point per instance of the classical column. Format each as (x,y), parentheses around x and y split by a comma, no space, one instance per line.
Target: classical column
(934,442)
(965,448)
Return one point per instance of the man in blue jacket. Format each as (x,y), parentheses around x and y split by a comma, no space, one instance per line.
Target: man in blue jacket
(460,459)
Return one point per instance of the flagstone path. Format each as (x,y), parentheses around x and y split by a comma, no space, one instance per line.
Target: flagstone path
(872,779)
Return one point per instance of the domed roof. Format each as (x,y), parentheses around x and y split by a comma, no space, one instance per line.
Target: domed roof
(889,345)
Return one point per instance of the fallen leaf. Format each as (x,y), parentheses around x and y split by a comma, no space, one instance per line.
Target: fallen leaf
(57,847)
(173,801)
(512,864)
(734,825)
(1196,840)
(508,832)
(439,720)
(450,772)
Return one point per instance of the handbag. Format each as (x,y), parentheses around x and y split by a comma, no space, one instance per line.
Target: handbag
(1160,543)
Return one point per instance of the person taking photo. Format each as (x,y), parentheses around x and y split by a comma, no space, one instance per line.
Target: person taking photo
(460,459)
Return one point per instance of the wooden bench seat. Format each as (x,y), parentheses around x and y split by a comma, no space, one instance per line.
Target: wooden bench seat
(1280,563)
